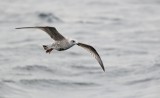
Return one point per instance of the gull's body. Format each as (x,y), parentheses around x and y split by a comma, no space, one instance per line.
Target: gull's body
(62,43)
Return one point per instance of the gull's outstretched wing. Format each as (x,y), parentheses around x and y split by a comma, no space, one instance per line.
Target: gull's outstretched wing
(93,52)
(51,31)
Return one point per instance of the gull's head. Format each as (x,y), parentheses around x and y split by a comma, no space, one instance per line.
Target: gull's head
(73,42)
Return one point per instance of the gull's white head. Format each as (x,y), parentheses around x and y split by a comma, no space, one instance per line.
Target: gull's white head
(72,42)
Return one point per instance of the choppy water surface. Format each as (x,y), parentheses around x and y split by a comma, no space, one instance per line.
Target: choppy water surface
(126,33)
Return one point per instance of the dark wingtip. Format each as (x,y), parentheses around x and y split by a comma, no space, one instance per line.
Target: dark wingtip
(25,27)
(19,28)
(103,68)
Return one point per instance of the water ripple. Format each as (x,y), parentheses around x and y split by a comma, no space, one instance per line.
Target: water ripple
(54,82)
(139,81)
(48,17)
(33,68)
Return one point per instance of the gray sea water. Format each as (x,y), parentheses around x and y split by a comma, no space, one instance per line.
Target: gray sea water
(126,33)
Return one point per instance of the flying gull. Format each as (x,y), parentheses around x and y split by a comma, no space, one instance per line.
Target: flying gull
(62,43)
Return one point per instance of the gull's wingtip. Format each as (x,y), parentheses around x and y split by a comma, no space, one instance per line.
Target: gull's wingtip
(18,28)
(25,27)
(103,68)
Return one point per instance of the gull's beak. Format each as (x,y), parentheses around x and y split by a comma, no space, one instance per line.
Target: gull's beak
(76,42)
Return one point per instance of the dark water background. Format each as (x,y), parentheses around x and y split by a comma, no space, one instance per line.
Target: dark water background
(126,33)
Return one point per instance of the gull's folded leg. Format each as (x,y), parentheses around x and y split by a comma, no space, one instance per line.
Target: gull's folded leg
(49,50)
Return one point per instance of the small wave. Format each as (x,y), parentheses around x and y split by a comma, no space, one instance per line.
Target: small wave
(21,41)
(53,82)
(49,17)
(8,81)
(120,52)
(87,70)
(138,81)
(154,68)
(80,67)
(119,72)
(34,68)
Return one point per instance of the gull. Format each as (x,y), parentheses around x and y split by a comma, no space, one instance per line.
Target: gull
(62,43)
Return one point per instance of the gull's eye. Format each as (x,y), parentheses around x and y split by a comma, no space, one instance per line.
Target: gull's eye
(73,41)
